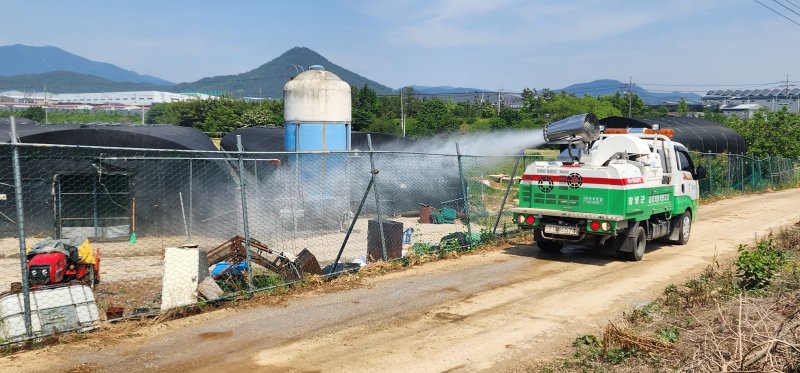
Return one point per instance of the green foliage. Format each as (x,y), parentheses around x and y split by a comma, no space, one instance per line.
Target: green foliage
(589,350)
(362,119)
(385,125)
(261,115)
(35,113)
(668,334)
(434,117)
(421,248)
(486,236)
(588,340)
(82,116)
(769,133)
(219,118)
(642,315)
(683,108)
(449,245)
(757,267)
(218,114)
(618,355)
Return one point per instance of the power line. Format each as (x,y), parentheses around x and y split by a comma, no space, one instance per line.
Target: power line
(778,13)
(787,8)
(794,3)
(708,85)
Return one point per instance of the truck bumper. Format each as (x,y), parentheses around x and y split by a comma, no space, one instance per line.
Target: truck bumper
(566,214)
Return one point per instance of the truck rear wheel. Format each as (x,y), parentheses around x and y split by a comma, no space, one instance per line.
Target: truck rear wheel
(632,248)
(545,244)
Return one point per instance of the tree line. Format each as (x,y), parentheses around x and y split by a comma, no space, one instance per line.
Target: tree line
(766,133)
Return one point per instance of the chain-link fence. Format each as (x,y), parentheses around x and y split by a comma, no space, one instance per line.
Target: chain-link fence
(731,173)
(92,234)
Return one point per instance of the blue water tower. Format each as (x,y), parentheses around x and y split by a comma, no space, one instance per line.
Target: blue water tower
(317,117)
(317,111)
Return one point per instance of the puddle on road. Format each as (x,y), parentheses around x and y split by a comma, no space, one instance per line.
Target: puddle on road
(208,336)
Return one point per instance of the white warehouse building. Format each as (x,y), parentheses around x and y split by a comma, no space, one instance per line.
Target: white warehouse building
(138,98)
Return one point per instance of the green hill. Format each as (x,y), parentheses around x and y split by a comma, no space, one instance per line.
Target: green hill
(70,82)
(21,59)
(271,76)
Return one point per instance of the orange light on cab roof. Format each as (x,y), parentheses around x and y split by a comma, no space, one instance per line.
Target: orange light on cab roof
(621,131)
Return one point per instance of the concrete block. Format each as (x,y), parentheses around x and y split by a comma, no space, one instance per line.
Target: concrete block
(209,289)
(184,270)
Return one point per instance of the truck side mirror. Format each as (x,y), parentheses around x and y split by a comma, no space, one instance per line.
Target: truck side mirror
(700,173)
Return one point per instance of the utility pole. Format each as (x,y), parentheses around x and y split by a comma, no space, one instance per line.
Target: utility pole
(630,95)
(499,92)
(402,113)
(45,104)
(142,106)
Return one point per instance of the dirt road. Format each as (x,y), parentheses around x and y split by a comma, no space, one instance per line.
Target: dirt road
(479,312)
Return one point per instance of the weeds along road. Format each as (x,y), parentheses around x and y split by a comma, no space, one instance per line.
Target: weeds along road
(479,312)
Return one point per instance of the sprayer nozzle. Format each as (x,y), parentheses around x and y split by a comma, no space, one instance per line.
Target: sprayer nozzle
(581,127)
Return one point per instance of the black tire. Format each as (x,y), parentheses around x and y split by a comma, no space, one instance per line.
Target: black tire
(545,244)
(684,227)
(89,278)
(635,246)
(550,246)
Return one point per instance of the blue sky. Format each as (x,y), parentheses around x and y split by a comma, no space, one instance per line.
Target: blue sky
(491,44)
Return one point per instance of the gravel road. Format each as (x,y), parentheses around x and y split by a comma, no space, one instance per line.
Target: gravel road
(479,312)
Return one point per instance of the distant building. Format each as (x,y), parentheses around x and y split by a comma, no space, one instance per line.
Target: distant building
(742,110)
(739,102)
(116,99)
(138,98)
(25,97)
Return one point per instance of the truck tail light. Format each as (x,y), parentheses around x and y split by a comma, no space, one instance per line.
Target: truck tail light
(605,226)
(521,219)
(530,219)
(595,225)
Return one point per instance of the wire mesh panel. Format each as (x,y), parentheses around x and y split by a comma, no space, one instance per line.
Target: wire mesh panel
(728,173)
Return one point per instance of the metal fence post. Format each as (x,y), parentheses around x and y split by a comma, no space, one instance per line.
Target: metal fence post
(771,175)
(245,222)
(505,195)
(465,192)
(191,196)
(23,260)
(353,222)
(377,197)
(741,172)
(710,166)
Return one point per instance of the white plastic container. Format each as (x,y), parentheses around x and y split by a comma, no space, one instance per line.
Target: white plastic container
(70,307)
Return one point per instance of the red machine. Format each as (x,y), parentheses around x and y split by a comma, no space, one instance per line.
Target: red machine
(54,262)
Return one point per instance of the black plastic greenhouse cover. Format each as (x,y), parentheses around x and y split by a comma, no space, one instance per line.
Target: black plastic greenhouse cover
(154,136)
(695,133)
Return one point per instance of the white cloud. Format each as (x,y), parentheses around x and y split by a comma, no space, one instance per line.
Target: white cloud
(455,23)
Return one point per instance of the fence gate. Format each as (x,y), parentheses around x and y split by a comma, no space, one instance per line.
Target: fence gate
(93,205)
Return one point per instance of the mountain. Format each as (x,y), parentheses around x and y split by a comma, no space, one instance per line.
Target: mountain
(269,78)
(21,59)
(605,87)
(70,82)
(444,89)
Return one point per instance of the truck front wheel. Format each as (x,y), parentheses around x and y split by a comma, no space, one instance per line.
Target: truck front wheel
(545,244)
(685,228)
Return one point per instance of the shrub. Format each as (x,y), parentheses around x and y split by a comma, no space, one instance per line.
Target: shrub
(757,267)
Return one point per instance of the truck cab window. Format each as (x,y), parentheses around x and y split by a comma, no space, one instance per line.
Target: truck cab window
(684,161)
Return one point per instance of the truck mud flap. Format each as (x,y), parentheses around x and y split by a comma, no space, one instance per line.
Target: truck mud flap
(618,242)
